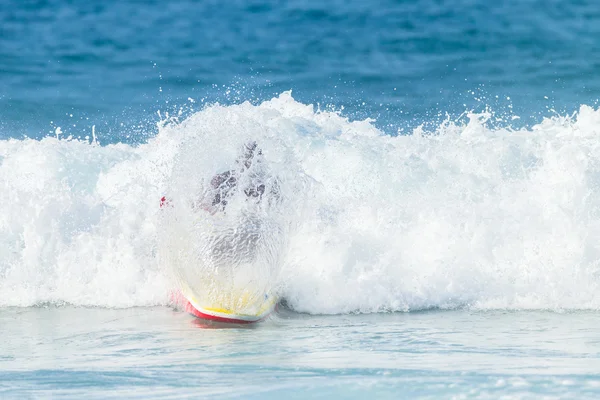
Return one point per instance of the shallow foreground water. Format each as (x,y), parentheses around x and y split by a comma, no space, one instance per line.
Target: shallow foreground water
(160,352)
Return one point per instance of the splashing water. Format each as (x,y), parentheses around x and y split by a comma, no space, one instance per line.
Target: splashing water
(464,216)
(224,239)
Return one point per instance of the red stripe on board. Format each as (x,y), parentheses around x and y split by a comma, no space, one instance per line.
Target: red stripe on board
(192,310)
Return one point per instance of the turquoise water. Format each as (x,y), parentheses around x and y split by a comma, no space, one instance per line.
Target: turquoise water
(155,352)
(438,175)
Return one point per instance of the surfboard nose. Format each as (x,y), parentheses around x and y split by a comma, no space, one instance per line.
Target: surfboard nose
(247,309)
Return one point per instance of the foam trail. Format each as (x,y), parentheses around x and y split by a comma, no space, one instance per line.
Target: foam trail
(466,216)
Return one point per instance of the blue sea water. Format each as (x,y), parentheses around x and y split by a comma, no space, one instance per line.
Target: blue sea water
(439,162)
(401,62)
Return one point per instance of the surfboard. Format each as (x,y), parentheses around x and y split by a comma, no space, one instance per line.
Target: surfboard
(241,308)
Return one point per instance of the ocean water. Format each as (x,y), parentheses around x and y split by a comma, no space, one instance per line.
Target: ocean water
(438,164)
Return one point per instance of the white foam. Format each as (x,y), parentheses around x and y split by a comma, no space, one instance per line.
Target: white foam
(467,215)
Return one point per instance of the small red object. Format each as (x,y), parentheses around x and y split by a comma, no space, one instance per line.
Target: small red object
(164,201)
